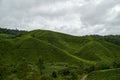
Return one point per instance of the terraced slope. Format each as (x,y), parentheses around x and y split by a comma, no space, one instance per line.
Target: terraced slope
(95,51)
(63,41)
(32,49)
(86,48)
(87,52)
(57,47)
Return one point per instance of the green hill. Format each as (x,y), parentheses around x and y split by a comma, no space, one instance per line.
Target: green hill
(94,51)
(59,51)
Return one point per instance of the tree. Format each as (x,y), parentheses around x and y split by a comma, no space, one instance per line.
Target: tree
(23,69)
(101,66)
(40,65)
(11,31)
(46,77)
(89,69)
(74,76)
(5,70)
(116,64)
(54,74)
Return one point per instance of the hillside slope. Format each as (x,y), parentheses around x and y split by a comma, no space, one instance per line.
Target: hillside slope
(86,47)
(58,47)
(58,51)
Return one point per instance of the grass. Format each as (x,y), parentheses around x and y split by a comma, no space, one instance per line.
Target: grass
(56,48)
(111,74)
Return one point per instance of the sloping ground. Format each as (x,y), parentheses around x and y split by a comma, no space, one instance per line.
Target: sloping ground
(87,48)
(32,49)
(111,74)
(95,51)
(57,47)
(63,41)
(5,36)
(62,51)
(112,39)
(114,49)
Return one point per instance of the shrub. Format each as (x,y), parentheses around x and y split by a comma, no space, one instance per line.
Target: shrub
(46,77)
(54,74)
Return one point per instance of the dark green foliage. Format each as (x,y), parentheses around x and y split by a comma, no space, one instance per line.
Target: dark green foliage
(101,66)
(115,39)
(74,76)
(47,55)
(110,74)
(116,64)
(64,72)
(54,74)
(23,69)
(68,74)
(46,77)
(40,65)
(5,70)
(10,31)
(89,69)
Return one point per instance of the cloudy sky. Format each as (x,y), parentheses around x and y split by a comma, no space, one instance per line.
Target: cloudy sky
(77,17)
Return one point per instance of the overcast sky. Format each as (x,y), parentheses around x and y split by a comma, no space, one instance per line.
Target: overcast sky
(77,17)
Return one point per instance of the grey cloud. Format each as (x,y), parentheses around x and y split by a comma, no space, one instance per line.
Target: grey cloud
(77,17)
(97,14)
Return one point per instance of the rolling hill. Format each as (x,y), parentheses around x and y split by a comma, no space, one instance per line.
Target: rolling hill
(55,48)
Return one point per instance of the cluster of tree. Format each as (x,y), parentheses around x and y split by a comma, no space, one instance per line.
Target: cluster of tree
(5,70)
(115,39)
(11,31)
(28,71)
(21,71)
(102,66)
(64,74)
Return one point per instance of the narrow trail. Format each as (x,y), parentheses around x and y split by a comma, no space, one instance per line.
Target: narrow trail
(84,77)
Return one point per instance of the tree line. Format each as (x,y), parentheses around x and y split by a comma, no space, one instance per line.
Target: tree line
(11,31)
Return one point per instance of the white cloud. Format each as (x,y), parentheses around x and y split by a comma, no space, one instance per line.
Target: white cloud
(77,17)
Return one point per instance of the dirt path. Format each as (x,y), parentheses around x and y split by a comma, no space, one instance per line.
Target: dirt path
(84,77)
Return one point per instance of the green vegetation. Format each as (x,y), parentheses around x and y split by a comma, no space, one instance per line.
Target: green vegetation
(110,74)
(47,55)
(12,32)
